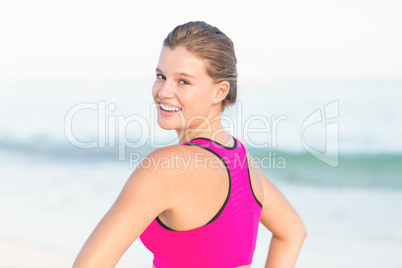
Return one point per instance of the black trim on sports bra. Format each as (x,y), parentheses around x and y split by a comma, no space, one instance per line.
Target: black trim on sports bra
(230,181)
(220,144)
(227,197)
(163,225)
(251,186)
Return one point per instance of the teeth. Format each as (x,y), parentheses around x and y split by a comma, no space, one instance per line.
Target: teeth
(169,108)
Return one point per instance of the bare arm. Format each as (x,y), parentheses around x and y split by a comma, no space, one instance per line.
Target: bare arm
(288,231)
(143,198)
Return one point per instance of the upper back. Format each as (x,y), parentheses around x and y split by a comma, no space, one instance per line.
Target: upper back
(225,239)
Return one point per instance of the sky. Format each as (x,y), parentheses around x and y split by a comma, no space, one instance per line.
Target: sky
(274,40)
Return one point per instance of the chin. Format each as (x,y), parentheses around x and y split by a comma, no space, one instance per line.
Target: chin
(166,125)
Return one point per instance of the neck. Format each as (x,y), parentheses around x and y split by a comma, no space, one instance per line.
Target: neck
(211,129)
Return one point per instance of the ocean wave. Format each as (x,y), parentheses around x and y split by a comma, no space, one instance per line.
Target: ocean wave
(296,167)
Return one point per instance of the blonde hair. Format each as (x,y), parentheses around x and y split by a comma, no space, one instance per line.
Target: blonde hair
(208,43)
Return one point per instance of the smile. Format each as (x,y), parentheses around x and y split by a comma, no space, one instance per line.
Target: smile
(169,108)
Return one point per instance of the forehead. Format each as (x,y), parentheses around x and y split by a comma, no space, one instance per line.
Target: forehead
(180,60)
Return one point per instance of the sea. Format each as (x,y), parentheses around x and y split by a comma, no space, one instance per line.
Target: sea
(333,147)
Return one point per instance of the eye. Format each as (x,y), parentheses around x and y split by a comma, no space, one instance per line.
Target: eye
(183,82)
(160,76)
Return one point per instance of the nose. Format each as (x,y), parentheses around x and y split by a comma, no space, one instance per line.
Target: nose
(165,90)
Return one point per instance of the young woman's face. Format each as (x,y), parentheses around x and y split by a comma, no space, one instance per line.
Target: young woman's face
(183,91)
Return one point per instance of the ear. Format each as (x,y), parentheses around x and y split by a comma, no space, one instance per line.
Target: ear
(222,89)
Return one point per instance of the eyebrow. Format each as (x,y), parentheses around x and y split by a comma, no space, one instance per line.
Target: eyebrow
(179,74)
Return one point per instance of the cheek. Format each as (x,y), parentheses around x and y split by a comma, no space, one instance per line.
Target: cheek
(198,103)
(203,97)
(155,90)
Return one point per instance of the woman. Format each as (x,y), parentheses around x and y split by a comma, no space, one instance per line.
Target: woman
(203,207)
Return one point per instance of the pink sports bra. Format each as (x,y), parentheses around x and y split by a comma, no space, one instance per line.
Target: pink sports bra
(228,239)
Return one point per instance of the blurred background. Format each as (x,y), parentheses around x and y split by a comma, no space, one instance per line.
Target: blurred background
(321,81)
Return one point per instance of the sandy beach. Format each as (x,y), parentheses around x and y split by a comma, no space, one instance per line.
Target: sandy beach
(23,255)
(18,254)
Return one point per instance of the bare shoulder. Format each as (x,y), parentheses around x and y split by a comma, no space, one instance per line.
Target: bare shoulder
(172,174)
(173,163)
(156,181)
(170,158)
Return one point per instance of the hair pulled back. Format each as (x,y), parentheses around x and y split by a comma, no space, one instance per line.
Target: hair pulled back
(208,43)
